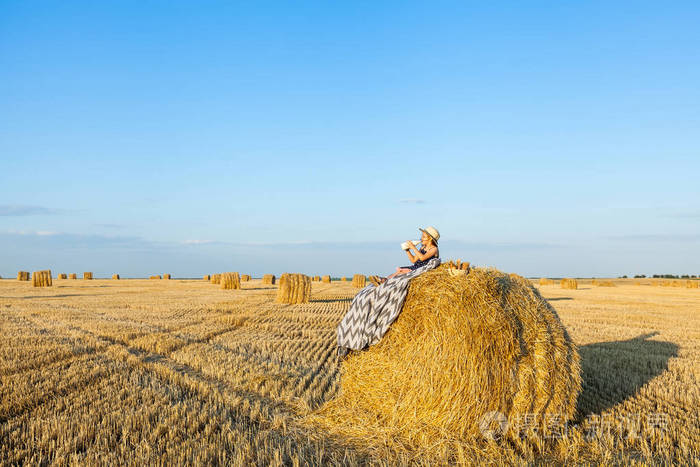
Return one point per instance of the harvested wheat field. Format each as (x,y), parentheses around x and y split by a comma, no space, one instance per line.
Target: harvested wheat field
(182,371)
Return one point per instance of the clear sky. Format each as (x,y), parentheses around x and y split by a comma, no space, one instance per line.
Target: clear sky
(543,138)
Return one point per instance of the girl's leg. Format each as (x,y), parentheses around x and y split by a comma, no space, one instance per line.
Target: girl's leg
(399,271)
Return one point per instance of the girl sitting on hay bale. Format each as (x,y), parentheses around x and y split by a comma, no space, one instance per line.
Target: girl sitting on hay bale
(419,258)
(374,308)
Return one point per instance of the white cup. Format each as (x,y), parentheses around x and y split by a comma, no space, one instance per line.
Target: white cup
(404,245)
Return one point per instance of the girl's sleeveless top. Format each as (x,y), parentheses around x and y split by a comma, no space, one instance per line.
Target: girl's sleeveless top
(420,263)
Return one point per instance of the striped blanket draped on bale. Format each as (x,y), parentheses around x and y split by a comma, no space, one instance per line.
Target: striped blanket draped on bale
(374,309)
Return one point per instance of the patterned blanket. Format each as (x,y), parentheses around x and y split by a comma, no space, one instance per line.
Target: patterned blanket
(373,310)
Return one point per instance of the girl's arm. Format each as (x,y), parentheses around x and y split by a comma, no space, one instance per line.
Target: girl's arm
(410,256)
(420,256)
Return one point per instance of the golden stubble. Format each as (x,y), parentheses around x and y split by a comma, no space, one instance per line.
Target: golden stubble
(138,371)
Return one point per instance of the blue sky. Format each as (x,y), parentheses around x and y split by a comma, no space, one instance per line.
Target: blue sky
(557,138)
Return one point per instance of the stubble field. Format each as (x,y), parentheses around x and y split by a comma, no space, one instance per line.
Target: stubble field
(181,371)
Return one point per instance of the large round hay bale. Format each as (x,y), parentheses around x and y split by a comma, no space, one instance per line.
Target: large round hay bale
(359,281)
(294,288)
(42,278)
(230,281)
(468,352)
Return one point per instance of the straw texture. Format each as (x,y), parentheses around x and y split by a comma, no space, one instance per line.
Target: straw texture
(294,288)
(268,279)
(42,278)
(230,281)
(359,281)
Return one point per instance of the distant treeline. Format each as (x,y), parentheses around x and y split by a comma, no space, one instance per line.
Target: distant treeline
(663,276)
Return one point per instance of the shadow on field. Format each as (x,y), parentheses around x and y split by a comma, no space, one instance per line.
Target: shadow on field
(554,299)
(614,371)
(41,297)
(331,300)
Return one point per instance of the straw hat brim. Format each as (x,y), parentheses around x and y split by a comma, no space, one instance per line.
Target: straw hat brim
(429,234)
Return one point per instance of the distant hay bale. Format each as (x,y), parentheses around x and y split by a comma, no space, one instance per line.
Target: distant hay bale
(569,284)
(87,276)
(546,281)
(41,278)
(317,278)
(464,349)
(115,277)
(359,281)
(155,277)
(268,279)
(23,275)
(166,276)
(692,284)
(294,289)
(63,276)
(215,278)
(326,279)
(230,281)
(343,279)
(207,277)
(245,277)
(72,275)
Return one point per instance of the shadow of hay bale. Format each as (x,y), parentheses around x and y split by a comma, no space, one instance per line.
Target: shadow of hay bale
(614,371)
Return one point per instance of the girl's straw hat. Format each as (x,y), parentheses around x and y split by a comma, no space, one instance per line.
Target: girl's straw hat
(432,232)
